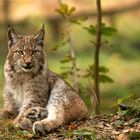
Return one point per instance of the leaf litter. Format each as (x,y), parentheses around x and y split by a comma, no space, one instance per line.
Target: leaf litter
(119,126)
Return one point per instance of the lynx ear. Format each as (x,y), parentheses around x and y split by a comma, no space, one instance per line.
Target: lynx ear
(39,37)
(12,36)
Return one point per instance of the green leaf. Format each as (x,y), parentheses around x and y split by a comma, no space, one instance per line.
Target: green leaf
(72,9)
(134,135)
(77,20)
(59,11)
(91,29)
(63,10)
(82,132)
(64,6)
(85,133)
(119,101)
(103,69)
(65,74)
(108,31)
(66,60)
(123,113)
(125,98)
(105,79)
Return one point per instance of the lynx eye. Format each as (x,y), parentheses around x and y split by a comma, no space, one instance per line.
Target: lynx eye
(20,52)
(34,52)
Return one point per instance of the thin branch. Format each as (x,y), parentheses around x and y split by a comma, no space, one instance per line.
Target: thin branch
(73,56)
(97,52)
(72,52)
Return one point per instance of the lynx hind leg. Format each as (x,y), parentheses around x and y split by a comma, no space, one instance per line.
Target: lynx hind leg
(76,110)
(54,120)
(36,113)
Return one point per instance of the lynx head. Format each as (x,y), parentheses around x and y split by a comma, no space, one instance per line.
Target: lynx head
(26,53)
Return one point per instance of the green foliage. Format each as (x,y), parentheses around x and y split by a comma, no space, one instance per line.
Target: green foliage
(134,135)
(91,29)
(78,20)
(106,30)
(128,109)
(66,59)
(8,131)
(103,69)
(81,133)
(123,99)
(99,74)
(65,10)
(103,77)
(85,134)
(66,74)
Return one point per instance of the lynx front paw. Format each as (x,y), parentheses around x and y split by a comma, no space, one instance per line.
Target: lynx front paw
(39,128)
(36,113)
(44,126)
(23,123)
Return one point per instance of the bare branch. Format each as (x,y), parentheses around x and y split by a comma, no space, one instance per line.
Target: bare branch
(97,52)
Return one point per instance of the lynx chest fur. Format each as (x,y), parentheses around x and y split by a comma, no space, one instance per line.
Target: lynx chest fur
(22,88)
(34,96)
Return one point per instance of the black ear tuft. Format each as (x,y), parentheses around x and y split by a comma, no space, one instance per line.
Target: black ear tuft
(12,36)
(39,37)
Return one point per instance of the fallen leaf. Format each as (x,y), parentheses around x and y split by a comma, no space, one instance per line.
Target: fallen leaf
(122,136)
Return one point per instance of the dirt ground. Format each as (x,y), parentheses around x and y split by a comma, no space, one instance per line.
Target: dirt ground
(102,127)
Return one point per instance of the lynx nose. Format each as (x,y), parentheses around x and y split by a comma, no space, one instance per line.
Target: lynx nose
(28,63)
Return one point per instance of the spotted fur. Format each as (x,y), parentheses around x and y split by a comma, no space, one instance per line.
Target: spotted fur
(34,96)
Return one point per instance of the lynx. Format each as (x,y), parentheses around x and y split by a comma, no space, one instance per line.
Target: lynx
(34,96)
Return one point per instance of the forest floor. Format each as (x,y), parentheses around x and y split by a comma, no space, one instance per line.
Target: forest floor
(119,126)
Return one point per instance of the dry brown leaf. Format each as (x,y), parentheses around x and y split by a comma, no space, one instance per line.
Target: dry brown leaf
(122,136)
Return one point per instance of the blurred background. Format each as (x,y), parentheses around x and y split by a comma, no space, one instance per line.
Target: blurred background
(121,54)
